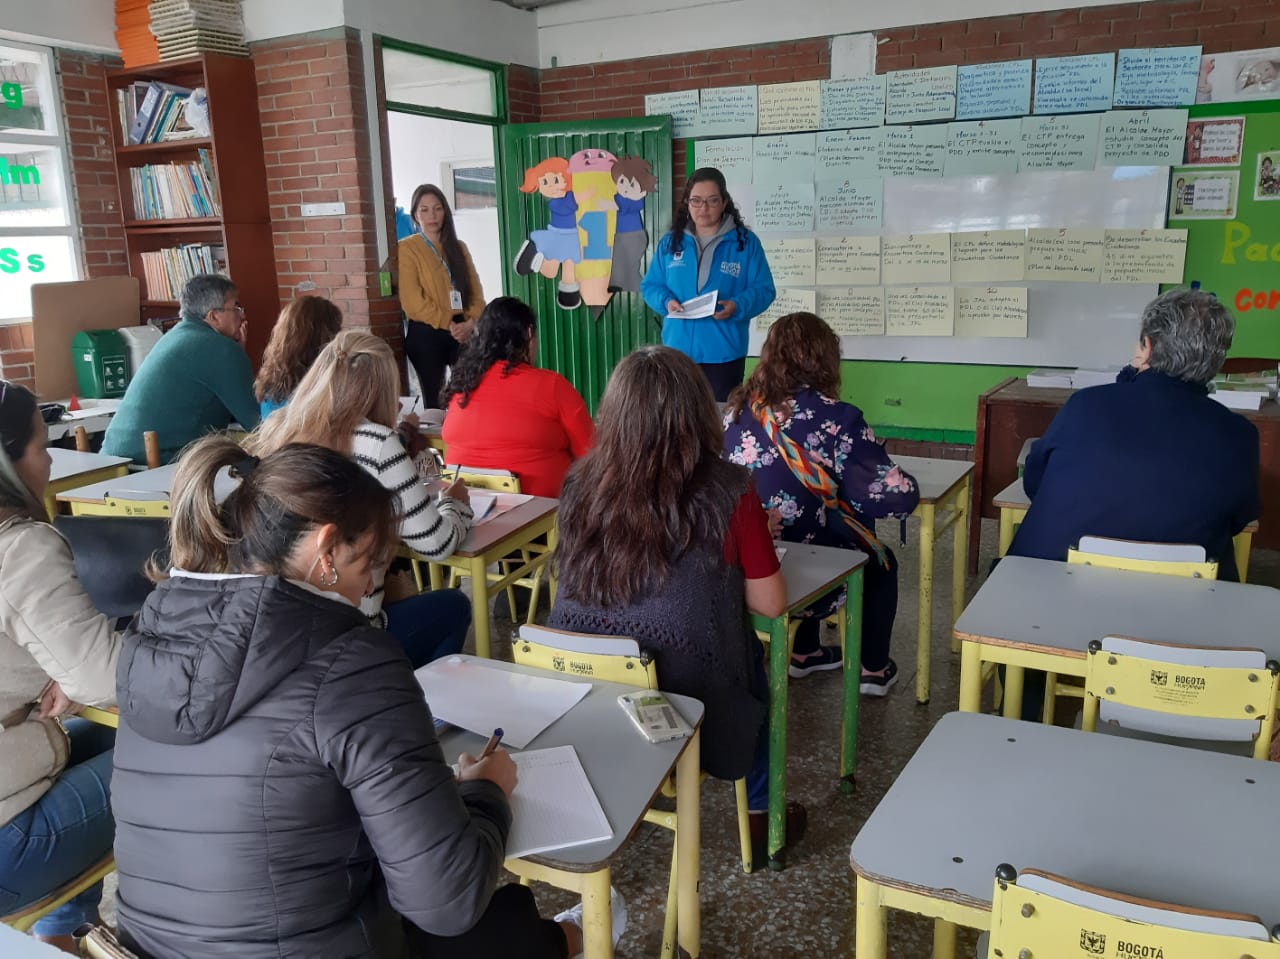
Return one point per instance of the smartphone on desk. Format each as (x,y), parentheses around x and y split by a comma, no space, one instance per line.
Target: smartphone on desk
(655,717)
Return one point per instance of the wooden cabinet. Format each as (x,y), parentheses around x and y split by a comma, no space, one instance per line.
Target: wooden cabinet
(234,148)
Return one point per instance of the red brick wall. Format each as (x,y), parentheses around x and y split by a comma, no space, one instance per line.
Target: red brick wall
(315,129)
(88,113)
(524,95)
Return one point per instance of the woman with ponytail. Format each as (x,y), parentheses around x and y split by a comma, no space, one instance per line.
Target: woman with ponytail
(279,786)
(56,650)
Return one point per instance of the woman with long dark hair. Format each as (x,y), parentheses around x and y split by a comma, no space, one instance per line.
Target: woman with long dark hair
(505,413)
(305,325)
(709,248)
(280,789)
(664,541)
(818,466)
(55,650)
(439,291)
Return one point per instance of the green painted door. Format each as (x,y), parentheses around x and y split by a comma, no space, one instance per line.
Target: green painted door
(585,342)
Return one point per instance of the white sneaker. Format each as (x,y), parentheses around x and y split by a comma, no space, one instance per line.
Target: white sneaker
(617,909)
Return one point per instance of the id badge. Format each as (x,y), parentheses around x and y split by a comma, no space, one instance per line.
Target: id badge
(455,300)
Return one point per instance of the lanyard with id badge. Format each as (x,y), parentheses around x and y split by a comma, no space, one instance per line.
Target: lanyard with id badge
(455,298)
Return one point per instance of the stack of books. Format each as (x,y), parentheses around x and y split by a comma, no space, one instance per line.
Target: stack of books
(168,191)
(133,33)
(152,111)
(166,272)
(184,28)
(1244,391)
(1058,379)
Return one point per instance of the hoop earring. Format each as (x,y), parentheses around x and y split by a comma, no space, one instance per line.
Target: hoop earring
(330,578)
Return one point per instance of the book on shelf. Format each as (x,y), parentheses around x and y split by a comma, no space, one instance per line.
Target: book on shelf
(152,112)
(181,190)
(166,272)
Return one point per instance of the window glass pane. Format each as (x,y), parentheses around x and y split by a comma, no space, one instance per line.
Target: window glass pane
(427,82)
(27,260)
(26,100)
(32,186)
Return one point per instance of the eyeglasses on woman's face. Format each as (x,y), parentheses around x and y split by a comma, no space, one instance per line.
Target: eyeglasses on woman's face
(710,202)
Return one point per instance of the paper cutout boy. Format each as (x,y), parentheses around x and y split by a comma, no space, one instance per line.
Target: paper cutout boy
(633,179)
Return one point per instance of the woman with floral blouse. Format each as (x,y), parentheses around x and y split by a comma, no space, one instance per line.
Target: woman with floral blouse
(820,471)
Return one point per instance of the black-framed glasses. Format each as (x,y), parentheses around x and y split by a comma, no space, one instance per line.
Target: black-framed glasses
(708,201)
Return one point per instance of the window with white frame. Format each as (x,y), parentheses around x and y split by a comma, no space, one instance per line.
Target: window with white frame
(37,228)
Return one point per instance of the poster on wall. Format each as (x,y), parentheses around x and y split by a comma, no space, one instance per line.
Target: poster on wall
(1240,75)
(1266,185)
(595,238)
(1204,194)
(1215,142)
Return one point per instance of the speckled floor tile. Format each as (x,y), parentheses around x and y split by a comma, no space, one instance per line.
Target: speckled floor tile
(807,909)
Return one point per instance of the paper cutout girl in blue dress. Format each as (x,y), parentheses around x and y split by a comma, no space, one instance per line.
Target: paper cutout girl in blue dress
(557,248)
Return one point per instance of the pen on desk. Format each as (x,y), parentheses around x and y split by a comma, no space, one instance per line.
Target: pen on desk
(902,531)
(492,744)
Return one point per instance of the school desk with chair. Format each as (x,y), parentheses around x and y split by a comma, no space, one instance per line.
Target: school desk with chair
(71,469)
(93,416)
(145,493)
(1146,820)
(944,502)
(811,572)
(626,772)
(1041,614)
(1013,503)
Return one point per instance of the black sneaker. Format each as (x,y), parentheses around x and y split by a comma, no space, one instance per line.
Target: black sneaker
(568,299)
(827,657)
(525,258)
(880,685)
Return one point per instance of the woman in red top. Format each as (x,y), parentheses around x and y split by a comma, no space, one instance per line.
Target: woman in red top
(505,413)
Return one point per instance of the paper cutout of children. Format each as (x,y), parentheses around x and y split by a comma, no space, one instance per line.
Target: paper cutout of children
(556,249)
(593,186)
(1268,185)
(633,179)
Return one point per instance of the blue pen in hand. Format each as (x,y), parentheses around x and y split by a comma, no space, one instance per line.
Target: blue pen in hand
(491,745)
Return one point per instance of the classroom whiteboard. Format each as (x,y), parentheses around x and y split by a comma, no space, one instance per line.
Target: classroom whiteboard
(1068,324)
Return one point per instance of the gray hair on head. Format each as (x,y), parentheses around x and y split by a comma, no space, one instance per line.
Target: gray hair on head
(1190,332)
(204,293)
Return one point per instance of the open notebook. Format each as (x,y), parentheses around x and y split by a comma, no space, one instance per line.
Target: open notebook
(553,806)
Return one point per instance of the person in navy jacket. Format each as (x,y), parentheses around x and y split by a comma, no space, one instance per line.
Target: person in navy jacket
(1151,457)
(708,249)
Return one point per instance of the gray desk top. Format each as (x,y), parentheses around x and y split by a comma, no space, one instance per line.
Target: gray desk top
(1013,495)
(1025,451)
(1178,825)
(812,571)
(935,476)
(145,485)
(69,463)
(625,770)
(94,417)
(485,535)
(1038,603)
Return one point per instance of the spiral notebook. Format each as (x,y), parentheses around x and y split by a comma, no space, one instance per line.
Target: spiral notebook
(553,806)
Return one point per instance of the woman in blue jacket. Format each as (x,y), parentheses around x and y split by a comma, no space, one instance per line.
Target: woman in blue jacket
(722,255)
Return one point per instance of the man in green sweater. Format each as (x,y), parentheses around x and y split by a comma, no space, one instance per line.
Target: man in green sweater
(196,379)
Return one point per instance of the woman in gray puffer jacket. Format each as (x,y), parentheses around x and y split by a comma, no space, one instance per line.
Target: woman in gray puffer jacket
(279,791)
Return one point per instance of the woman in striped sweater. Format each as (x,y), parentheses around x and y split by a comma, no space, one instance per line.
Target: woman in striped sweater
(349,401)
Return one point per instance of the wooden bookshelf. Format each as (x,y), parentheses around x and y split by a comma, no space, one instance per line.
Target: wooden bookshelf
(235,149)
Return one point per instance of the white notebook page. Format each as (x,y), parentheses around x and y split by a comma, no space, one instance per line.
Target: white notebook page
(553,806)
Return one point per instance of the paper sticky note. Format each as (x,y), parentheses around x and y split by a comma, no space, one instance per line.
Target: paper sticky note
(1078,84)
(1203,194)
(734,158)
(988,256)
(916,96)
(680,105)
(988,90)
(848,153)
(919,311)
(983,147)
(915,258)
(1157,77)
(849,204)
(1070,255)
(850,103)
(787,300)
(1215,141)
(919,150)
(783,107)
(787,158)
(793,262)
(854,260)
(784,208)
(727,111)
(1144,256)
(853,311)
(991,311)
(1059,143)
(1143,137)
